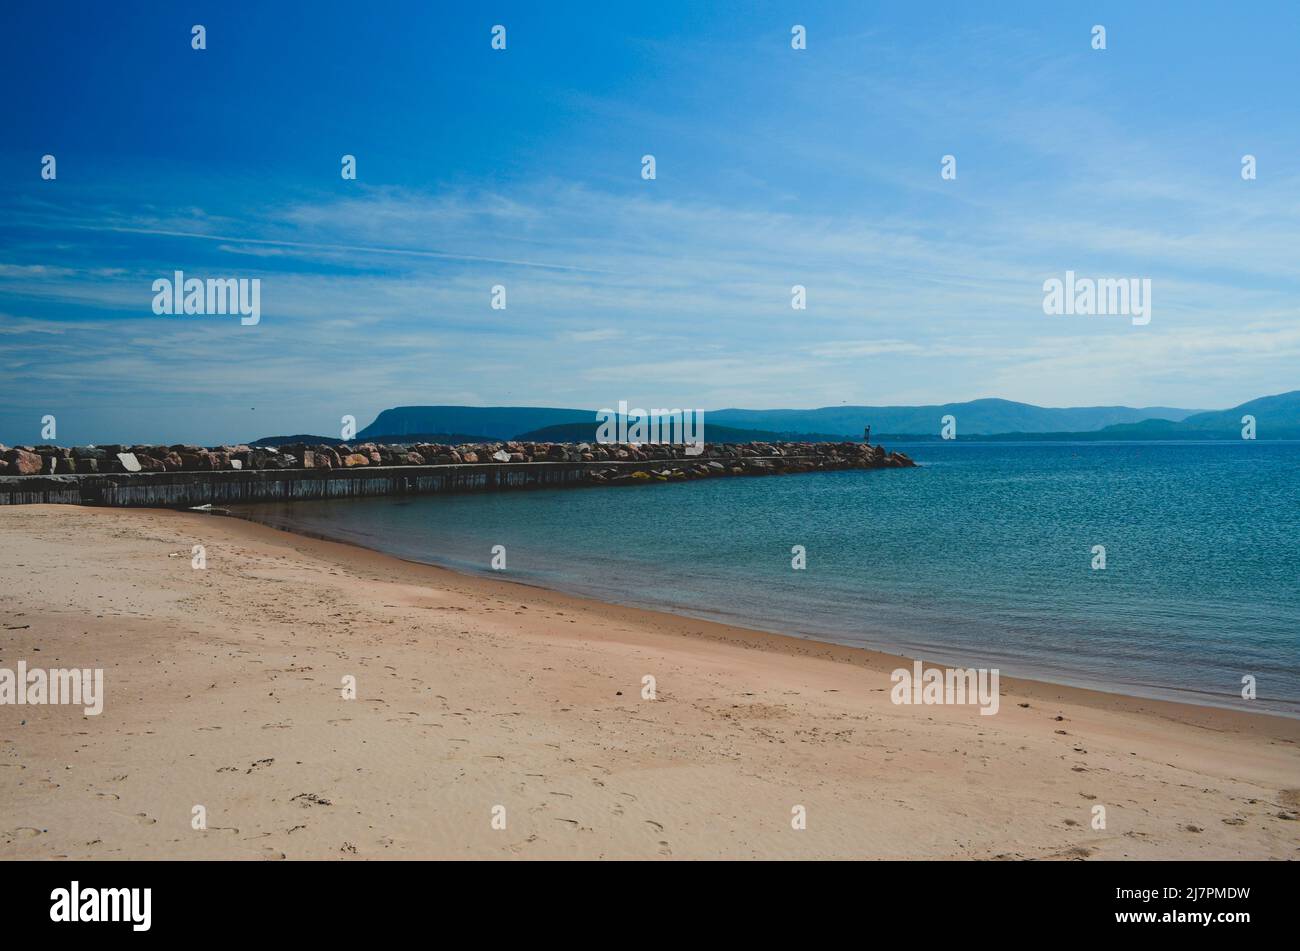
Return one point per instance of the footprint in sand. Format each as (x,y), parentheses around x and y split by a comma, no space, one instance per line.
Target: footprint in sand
(145,820)
(107,795)
(310,799)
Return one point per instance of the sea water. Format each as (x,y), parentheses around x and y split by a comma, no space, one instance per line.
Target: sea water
(984,556)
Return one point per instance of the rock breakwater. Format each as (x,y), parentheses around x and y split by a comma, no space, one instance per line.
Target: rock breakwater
(716,459)
(186,475)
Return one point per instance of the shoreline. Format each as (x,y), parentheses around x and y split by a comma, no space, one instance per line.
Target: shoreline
(222,690)
(899,657)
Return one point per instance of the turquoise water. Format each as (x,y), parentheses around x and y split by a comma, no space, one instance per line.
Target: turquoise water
(982,557)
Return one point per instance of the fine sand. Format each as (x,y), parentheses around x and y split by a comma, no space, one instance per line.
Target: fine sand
(223,690)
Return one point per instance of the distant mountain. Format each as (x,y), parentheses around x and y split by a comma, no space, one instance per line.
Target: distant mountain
(586,432)
(494,422)
(976,417)
(1277,417)
(389,438)
(289,440)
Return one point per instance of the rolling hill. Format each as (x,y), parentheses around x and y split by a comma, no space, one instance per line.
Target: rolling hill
(983,416)
(1277,417)
(586,432)
(976,417)
(494,422)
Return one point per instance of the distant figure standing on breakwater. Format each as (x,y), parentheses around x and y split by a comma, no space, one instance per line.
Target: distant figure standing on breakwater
(866,435)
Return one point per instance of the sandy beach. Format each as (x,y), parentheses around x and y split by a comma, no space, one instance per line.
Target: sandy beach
(479,699)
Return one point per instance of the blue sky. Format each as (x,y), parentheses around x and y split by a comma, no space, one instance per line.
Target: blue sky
(522,168)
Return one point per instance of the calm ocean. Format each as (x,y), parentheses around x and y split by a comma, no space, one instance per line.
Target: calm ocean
(982,557)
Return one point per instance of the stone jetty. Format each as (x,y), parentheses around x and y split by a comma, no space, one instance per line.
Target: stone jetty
(179,475)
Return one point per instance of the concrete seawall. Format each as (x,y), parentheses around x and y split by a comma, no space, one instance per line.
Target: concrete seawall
(229,487)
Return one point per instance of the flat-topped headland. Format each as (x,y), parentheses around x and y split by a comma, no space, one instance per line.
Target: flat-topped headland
(187,475)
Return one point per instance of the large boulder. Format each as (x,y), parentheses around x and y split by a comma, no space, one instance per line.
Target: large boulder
(22,462)
(322,457)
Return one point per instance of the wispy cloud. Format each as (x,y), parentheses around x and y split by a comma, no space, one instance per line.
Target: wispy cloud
(820,171)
